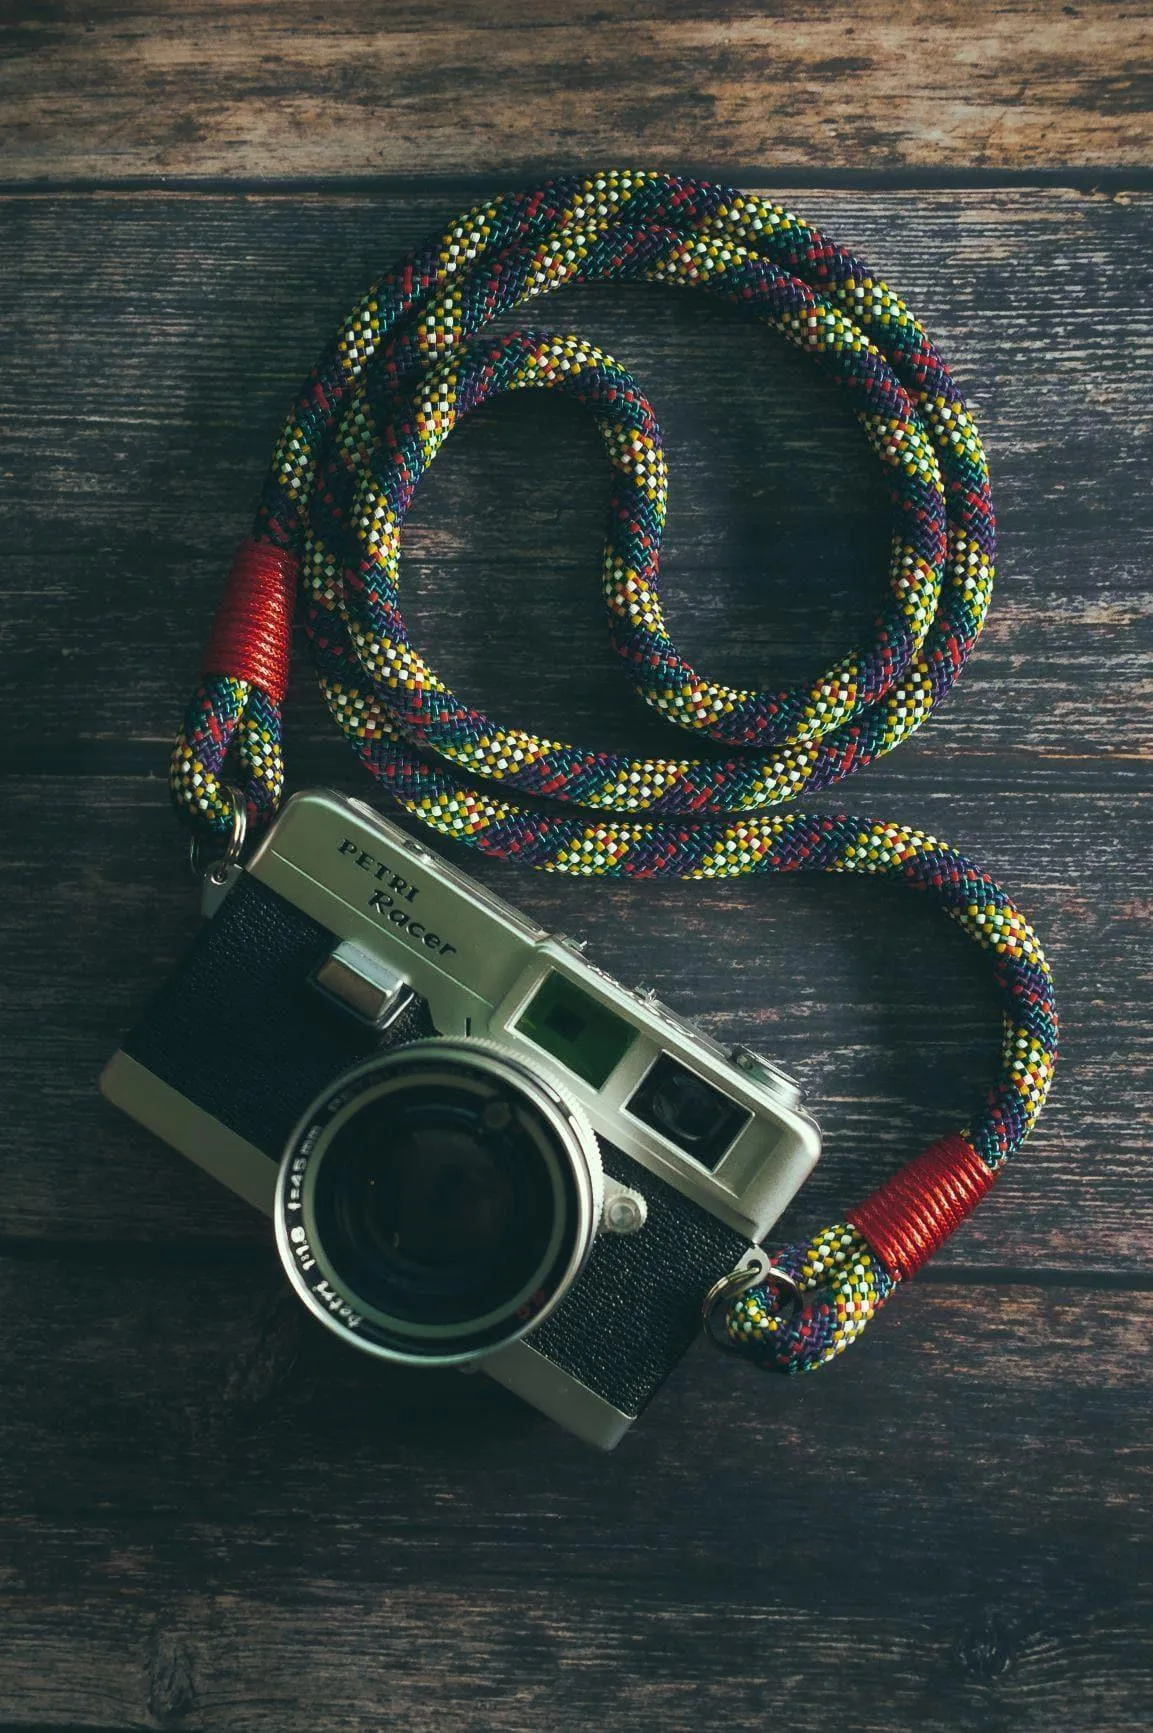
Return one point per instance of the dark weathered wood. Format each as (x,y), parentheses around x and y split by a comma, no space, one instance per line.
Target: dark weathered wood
(215,1518)
(239,89)
(241,1525)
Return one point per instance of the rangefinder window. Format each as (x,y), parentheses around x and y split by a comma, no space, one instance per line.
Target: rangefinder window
(699,1119)
(576,1029)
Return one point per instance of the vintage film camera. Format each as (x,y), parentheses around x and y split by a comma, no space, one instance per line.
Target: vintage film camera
(477,1148)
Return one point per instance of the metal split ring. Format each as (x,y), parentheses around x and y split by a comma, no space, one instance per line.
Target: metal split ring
(218,871)
(753,1271)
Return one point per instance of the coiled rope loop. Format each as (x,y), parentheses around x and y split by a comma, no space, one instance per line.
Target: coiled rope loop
(415,357)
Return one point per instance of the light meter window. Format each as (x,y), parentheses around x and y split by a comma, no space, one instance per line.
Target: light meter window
(566,1022)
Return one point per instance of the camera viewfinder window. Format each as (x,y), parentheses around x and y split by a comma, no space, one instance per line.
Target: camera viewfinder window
(699,1119)
(575,1029)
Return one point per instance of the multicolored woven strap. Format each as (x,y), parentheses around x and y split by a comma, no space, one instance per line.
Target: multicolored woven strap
(414,358)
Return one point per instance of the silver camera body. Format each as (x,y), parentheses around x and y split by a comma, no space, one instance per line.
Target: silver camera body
(478,1149)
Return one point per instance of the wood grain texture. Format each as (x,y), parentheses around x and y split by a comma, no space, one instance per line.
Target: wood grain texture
(115,90)
(241,1526)
(212,1517)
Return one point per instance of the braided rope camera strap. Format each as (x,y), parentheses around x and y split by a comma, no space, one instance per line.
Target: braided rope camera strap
(411,361)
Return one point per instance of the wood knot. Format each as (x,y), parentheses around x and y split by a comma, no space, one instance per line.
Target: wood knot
(987,1650)
(173,1693)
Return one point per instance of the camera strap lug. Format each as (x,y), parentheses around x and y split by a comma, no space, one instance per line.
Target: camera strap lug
(214,887)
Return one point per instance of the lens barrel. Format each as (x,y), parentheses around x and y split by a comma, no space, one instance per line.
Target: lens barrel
(437,1202)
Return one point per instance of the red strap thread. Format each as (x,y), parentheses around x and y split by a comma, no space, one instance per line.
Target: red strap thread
(252,632)
(911,1216)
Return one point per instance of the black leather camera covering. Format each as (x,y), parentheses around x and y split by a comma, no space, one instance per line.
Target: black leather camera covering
(238,1030)
(637,1305)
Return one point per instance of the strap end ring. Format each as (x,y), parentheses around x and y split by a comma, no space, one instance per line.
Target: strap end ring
(216,872)
(753,1271)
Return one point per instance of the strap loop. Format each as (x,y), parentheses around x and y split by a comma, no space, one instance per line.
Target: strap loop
(846,1284)
(217,872)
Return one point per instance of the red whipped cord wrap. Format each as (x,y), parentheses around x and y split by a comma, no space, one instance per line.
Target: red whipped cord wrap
(252,632)
(910,1217)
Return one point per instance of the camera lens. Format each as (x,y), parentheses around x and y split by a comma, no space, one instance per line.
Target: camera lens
(442,1198)
(434,1201)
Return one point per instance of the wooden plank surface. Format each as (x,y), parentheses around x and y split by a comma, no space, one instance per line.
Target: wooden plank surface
(216,1519)
(197,87)
(213,1518)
